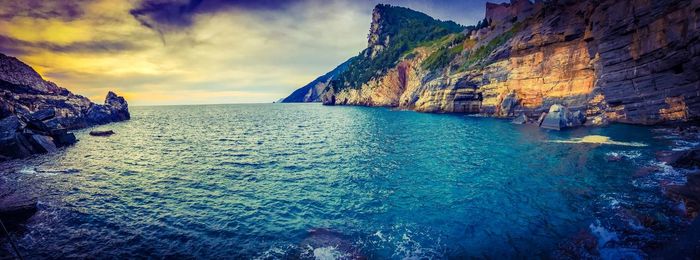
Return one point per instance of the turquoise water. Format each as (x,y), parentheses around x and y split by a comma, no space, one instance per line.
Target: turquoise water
(305,180)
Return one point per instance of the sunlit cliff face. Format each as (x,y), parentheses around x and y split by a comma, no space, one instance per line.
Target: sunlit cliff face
(184,52)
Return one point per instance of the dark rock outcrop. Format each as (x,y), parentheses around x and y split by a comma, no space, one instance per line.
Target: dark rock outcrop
(102,133)
(15,210)
(36,115)
(689,194)
(681,159)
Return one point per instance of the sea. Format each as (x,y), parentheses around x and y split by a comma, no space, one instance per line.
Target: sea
(306,181)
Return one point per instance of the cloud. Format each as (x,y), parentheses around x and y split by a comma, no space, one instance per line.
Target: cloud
(168,15)
(18,47)
(43,9)
(217,51)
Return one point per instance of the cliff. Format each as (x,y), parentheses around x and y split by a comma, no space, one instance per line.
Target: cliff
(36,115)
(632,61)
(393,32)
(312,92)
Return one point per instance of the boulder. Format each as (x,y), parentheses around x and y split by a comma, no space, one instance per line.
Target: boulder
(578,118)
(556,118)
(508,104)
(689,193)
(14,211)
(64,139)
(685,159)
(559,117)
(41,115)
(38,126)
(16,145)
(541,118)
(9,126)
(102,133)
(520,120)
(44,144)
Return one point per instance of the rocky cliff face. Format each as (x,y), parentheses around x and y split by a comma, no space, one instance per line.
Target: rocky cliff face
(632,61)
(312,92)
(35,114)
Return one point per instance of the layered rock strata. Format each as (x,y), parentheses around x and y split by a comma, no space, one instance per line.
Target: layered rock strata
(631,61)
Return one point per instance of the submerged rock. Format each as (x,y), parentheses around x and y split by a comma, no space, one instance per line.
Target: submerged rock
(14,210)
(101,133)
(689,194)
(520,120)
(686,159)
(328,244)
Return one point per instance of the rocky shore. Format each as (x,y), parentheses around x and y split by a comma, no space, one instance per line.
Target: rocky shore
(35,117)
(608,61)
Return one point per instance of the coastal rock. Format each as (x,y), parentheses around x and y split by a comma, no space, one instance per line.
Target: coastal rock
(689,194)
(42,115)
(118,107)
(15,210)
(37,114)
(102,133)
(9,126)
(559,117)
(685,159)
(520,120)
(64,139)
(541,118)
(44,144)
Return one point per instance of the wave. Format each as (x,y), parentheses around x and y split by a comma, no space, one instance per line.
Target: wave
(597,139)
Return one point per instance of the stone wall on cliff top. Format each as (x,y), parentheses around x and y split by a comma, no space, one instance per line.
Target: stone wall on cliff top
(632,61)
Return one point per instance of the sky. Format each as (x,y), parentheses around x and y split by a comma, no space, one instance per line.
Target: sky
(167,52)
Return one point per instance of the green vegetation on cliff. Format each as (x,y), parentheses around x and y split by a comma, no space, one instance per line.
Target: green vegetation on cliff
(477,56)
(403,29)
(446,53)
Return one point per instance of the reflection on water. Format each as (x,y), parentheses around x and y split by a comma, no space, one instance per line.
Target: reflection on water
(597,139)
(304,180)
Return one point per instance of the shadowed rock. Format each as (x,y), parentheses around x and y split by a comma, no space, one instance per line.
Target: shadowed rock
(37,114)
(688,194)
(15,210)
(520,120)
(44,144)
(102,133)
(325,242)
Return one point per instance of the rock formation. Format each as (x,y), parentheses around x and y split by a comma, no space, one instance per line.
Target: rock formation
(36,115)
(631,61)
(312,91)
